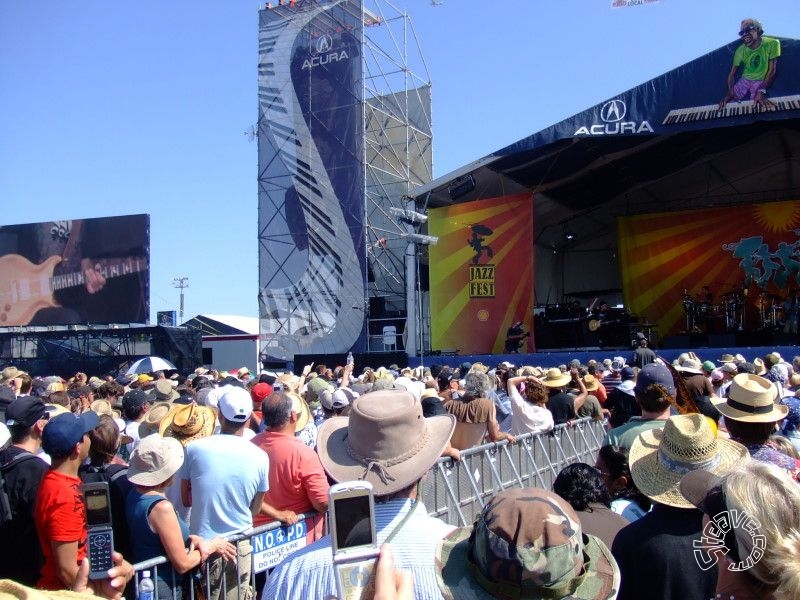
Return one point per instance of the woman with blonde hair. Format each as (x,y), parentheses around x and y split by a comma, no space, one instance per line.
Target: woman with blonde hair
(762,502)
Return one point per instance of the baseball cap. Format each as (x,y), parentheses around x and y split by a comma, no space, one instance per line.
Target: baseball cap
(25,411)
(134,399)
(235,404)
(655,374)
(63,431)
(259,392)
(618,363)
(627,373)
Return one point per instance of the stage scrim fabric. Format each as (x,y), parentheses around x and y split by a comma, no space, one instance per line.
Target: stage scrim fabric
(746,255)
(481,273)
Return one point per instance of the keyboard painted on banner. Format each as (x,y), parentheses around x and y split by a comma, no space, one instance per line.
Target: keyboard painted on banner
(732,109)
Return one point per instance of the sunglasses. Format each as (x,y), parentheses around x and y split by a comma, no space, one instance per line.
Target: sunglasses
(747,30)
(714,504)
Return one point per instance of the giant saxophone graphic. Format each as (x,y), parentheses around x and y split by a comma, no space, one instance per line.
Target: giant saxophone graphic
(322,310)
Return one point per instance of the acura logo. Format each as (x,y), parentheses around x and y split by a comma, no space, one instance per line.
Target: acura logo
(324,43)
(613,111)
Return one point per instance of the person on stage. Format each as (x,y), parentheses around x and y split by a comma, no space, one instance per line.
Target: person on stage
(514,337)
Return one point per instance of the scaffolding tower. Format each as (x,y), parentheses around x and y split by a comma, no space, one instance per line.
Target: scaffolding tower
(306,314)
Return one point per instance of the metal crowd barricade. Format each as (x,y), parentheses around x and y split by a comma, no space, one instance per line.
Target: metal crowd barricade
(253,535)
(453,491)
(456,491)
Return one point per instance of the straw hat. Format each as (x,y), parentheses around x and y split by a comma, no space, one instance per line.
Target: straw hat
(761,368)
(102,407)
(591,383)
(555,378)
(155,460)
(188,422)
(691,365)
(726,358)
(659,458)
(526,543)
(153,417)
(751,399)
(385,440)
(301,408)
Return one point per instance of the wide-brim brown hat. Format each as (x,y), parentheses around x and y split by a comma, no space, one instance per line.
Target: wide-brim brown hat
(385,440)
(556,378)
(751,399)
(188,422)
(660,457)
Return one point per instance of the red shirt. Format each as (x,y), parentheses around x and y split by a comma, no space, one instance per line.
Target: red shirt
(59,517)
(296,476)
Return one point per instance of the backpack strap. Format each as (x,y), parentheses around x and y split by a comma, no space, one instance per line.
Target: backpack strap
(21,457)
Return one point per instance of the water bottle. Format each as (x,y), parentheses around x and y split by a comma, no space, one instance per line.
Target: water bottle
(350,359)
(146,587)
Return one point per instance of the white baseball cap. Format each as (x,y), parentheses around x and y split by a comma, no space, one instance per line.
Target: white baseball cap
(235,403)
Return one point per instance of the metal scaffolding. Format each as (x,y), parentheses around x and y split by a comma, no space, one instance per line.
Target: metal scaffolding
(397,156)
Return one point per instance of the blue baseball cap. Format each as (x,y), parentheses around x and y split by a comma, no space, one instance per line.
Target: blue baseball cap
(655,373)
(63,431)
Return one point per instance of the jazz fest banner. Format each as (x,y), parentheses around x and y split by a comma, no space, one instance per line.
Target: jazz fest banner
(481,273)
(747,256)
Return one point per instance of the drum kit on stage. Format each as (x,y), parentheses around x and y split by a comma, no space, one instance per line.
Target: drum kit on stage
(730,314)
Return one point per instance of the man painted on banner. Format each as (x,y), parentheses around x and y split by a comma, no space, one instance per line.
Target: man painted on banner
(79,271)
(758,59)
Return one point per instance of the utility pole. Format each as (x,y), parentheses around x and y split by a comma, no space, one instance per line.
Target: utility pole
(181,283)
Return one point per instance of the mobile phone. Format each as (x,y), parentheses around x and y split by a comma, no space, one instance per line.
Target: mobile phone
(351,515)
(97,499)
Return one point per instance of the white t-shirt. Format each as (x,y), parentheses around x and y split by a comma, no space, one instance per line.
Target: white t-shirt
(527,417)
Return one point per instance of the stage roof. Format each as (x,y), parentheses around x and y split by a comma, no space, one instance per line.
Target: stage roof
(660,146)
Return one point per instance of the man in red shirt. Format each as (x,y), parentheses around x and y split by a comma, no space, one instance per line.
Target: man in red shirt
(297,481)
(59,514)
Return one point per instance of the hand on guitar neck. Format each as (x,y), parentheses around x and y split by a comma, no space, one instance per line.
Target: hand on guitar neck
(94,277)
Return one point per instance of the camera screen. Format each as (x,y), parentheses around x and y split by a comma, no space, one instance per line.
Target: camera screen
(353,526)
(98,511)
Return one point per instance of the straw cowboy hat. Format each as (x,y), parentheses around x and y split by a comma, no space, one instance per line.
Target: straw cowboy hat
(660,457)
(300,407)
(751,399)
(526,543)
(385,440)
(155,460)
(188,422)
(591,383)
(555,378)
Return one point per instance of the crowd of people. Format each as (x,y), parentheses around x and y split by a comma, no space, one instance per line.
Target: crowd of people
(192,461)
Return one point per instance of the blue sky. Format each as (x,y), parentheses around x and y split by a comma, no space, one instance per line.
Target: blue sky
(111,108)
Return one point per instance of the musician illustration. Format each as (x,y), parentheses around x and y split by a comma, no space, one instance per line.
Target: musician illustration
(70,272)
(514,337)
(479,233)
(757,58)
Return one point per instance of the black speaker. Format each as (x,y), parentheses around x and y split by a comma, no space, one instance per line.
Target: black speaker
(377,307)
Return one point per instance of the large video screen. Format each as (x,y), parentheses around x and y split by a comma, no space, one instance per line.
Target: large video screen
(85,271)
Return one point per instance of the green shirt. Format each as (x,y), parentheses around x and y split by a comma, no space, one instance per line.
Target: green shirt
(755,61)
(624,435)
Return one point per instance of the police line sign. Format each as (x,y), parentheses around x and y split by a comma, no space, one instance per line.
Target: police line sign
(271,547)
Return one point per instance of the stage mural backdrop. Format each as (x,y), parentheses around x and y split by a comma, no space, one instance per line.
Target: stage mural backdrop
(481,273)
(748,257)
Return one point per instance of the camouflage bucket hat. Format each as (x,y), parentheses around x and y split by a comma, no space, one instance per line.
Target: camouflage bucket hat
(527,543)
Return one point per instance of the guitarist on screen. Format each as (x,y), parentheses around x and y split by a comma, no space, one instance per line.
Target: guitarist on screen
(514,337)
(70,272)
